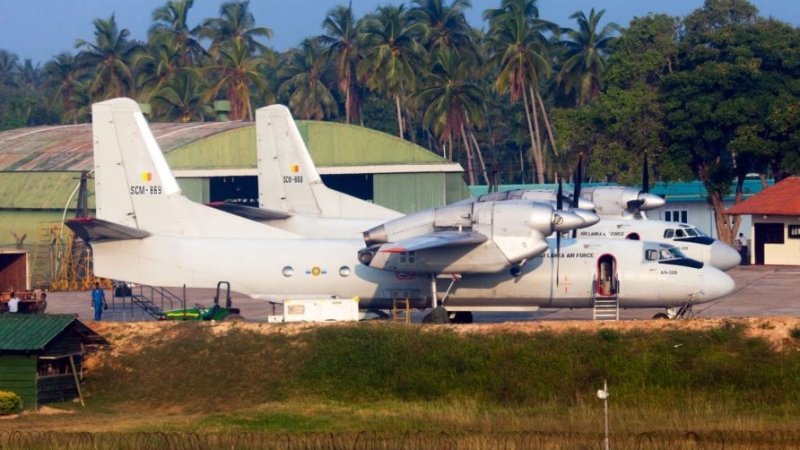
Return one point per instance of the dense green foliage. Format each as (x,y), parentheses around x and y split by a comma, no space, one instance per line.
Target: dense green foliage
(713,96)
(10,403)
(196,369)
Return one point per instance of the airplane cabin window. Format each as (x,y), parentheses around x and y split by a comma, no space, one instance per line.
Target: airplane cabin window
(679,233)
(669,233)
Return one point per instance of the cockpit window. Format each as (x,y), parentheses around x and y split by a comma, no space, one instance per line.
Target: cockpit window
(668,233)
(691,232)
(679,233)
(664,253)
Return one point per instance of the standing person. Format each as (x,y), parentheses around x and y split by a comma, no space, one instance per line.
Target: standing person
(98,301)
(742,241)
(13,303)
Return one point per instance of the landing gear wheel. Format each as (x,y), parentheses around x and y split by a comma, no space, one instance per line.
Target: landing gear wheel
(461,317)
(437,315)
(661,316)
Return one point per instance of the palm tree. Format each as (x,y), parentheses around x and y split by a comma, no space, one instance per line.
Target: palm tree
(110,56)
(9,66)
(181,98)
(442,26)
(62,74)
(156,66)
(171,26)
(236,23)
(236,70)
(586,48)
(454,102)
(392,55)
(303,71)
(519,49)
(341,38)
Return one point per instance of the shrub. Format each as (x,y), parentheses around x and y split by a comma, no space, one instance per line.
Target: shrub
(10,403)
(795,333)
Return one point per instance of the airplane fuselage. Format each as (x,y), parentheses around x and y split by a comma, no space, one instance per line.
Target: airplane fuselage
(278,270)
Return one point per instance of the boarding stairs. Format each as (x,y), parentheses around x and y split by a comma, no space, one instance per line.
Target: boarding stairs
(152,300)
(605,307)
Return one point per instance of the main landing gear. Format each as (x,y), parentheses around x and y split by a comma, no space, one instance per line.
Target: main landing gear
(438,312)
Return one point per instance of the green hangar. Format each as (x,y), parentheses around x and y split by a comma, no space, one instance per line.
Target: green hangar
(40,169)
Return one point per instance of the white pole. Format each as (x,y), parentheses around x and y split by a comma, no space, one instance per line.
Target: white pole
(605,403)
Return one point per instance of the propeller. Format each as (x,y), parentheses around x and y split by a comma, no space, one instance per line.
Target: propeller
(576,194)
(559,206)
(633,205)
(645,176)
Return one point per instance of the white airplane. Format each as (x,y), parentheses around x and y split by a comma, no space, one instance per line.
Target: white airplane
(147,232)
(622,212)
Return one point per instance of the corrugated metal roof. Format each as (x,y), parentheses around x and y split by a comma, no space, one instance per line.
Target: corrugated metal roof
(69,147)
(782,199)
(31,331)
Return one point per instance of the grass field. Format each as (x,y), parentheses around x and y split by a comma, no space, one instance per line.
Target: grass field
(386,386)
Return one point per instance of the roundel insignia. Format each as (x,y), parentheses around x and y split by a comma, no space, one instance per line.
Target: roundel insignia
(316,271)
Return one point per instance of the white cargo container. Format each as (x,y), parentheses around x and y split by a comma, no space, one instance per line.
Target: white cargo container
(320,310)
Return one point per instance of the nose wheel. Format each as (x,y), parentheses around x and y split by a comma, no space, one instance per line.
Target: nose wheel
(676,312)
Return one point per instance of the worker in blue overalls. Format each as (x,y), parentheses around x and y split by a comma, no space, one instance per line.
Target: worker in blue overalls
(98,301)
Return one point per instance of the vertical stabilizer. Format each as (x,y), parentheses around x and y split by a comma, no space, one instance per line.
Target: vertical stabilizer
(134,186)
(288,179)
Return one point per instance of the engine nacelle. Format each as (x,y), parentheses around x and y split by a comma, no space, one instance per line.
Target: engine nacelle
(621,201)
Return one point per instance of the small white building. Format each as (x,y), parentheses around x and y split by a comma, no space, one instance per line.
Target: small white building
(775,228)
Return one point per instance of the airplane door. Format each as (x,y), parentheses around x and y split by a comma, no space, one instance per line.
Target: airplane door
(606,283)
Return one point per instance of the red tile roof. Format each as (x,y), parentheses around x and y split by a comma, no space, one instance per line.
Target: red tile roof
(782,199)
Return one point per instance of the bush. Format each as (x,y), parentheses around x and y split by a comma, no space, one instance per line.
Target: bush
(794,333)
(10,403)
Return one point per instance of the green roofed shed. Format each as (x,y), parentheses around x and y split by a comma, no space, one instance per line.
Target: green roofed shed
(41,356)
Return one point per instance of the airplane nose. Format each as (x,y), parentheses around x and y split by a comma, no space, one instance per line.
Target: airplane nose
(723,256)
(716,284)
(589,217)
(566,221)
(651,201)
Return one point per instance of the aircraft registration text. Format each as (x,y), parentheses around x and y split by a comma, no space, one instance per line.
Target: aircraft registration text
(145,190)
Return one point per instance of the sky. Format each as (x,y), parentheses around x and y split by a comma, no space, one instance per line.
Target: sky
(40,29)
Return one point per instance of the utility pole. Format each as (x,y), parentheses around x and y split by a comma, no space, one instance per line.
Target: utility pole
(602,394)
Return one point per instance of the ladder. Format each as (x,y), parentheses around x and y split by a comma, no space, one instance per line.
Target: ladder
(606,307)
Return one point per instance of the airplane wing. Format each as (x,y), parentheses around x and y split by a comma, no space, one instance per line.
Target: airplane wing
(91,229)
(438,239)
(249,212)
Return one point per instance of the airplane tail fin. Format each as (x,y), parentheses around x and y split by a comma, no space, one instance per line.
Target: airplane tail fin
(135,188)
(289,181)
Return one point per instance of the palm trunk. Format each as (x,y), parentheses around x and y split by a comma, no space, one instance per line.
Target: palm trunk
(530,125)
(399,115)
(547,123)
(347,103)
(470,164)
(537,154)
(479,153)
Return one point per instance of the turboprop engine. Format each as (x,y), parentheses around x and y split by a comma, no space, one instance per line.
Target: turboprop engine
(620,201)
(540,195)
(480,237)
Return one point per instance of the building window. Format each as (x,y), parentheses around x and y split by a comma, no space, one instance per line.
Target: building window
(676,216)
(794,231)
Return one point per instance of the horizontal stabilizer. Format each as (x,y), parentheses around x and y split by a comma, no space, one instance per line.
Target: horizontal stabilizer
(91,229)
(438,239)
(250,212)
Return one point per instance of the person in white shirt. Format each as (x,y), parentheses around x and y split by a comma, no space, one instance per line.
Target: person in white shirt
(13,303)
(742,241)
